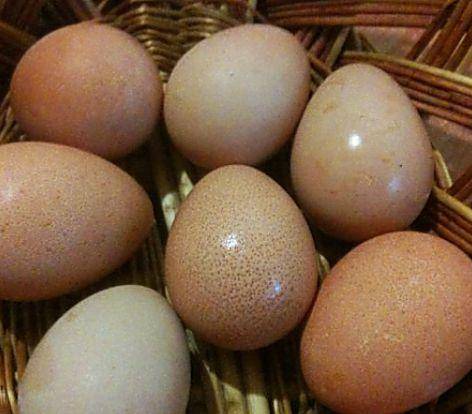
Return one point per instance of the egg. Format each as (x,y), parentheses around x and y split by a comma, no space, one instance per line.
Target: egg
(362,162)
(89,86)
(240,260)
(122,350)
(236,97)
(68,218)
(391,328)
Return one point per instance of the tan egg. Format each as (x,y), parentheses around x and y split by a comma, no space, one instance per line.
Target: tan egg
(240,260)
(362,163)
(122,350)
(236,97)
(391,328)
(68,218)
(89,86)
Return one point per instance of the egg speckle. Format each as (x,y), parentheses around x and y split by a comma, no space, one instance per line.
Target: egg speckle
(391,328)
(122,350)
(240,260)
(89,86)
(68,218)
(236,97)
(362,162)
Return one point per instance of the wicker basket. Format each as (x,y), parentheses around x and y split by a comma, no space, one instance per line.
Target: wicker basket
(433,71)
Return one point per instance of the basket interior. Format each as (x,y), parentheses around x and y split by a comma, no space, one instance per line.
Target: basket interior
(424,44)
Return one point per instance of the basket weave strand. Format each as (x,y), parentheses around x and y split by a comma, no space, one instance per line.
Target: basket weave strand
(268,381)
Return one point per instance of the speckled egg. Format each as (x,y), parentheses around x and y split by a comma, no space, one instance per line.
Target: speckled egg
(236,97)
(362,162)
(391,328)
(67,218)
(89,86)
(240,260)
(122,350)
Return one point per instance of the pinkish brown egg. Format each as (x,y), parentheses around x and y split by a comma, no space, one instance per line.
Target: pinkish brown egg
(362,162)
(89,86)
(67,219)
(236,97)
(391,328)
(240,260)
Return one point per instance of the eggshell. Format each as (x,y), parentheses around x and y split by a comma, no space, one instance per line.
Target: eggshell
(240,260)
(391,328)
(236,97)
(119,351)
(362,163)
(67,218)
(89,86)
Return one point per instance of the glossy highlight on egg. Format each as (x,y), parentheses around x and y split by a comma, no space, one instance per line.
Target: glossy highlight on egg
(362,163)
(240,260)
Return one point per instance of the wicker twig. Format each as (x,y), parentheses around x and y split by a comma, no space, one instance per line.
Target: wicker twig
(19,345)
(324,48)
(430,32)
(459,57)
(166,189)
(443,178)
(256,394)
(63,12)
(448,39)
(84,9)
(451,219)
(332,53)
(5,405)
(256,382)
(438,3)
(464,227)
(354,12)
(278,390)
(388,20)
(156,27)
(330,8)
(9,130)
(434,76)
(15,37)
(9,373)
(232,384)
(440,50)
(319,66)
(451,230)
(320,42)
(436,105)
(306,36)
(23,14)
(462,27)
(182,174)
(199,22)
(462,188)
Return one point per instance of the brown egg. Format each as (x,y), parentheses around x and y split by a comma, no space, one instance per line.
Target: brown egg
(122,350)
(362,163)
(68,218)
(391,328)
(89,86)
(240,260)
(236,97)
